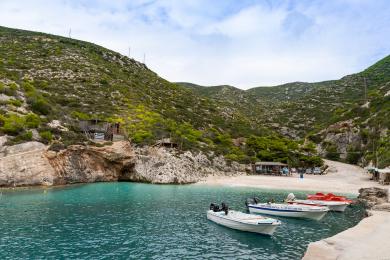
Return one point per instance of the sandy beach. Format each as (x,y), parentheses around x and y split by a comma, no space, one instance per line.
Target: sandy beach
(344,178)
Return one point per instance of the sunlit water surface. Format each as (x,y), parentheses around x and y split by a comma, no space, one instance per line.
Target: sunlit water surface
(129,220)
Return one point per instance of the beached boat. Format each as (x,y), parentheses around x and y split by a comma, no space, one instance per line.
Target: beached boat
(242,221)
(328,197)
(332,205)
(287,210)
(339,206)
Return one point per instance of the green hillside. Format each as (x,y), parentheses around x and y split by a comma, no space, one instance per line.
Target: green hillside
(302,110)
(45,77)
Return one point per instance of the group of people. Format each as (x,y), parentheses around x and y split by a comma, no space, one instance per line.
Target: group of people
(300,170)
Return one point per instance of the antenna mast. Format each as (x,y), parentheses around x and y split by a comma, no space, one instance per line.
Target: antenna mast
(144,58)
(365,89)
(70,33)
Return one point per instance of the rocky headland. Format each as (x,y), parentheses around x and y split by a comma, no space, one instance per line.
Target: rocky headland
(33,164)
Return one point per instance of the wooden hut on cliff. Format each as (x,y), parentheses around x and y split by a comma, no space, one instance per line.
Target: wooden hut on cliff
(100,130)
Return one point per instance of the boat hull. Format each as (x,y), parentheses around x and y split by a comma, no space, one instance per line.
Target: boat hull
(264,229)
(315,215)
(328,197)
(339,206)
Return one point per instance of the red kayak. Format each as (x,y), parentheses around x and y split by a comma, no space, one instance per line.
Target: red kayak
(327,197)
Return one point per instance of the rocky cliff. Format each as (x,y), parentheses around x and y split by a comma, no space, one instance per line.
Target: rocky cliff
(376,199)
(80,164)
(31,163)
(161,165)
(25,165)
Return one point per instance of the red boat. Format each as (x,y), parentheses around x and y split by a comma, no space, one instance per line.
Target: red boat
(327,197)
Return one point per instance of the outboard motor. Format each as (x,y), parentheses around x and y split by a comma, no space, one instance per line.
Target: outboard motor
(212,205)
(290,197)
(225,208)
(215,208)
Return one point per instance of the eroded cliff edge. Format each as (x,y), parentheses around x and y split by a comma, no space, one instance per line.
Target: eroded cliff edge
(367,240)
(32,164)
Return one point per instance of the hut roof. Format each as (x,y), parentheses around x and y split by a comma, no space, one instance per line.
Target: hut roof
(271,163)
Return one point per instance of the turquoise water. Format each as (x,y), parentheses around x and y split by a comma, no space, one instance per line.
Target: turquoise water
(129,220)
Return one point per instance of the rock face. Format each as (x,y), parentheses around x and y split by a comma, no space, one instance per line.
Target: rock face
(32,164)
(342,135)
(80,164)
(25,165)
(375,198)
(162,165)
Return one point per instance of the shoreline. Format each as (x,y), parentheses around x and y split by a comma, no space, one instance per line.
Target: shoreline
(367,240)
(344,179)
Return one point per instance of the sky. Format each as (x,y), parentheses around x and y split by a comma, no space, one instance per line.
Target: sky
(244,43)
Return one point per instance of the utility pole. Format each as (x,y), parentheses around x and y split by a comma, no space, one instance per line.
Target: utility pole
(365,89)
(374,153)
(70,33)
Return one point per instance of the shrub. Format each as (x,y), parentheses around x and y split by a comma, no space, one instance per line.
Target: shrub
(28,86)
(13,124)
(56,147)
(316,138)
(309,147)
(70,137)
(353,154)
(312,161)
(141,136)
(13,87)
(104,81)
(26,136)
(80,115)
(9,91)
(15,102)
(332,153)
(41,84)
(21,138)
(32,120)
(39,105)
(46,136)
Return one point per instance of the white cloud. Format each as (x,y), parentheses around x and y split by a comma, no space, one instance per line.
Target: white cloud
(222,42)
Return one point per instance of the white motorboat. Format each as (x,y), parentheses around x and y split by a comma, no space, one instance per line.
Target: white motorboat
(242,221)
(339,206)
(288,210)
(332,205)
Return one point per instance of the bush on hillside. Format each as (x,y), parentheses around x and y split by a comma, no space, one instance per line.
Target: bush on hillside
(39,105)
(353,154)
(15,102)
(46,136)
(332,153)
(22,137)
(12,124)
(32,120)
